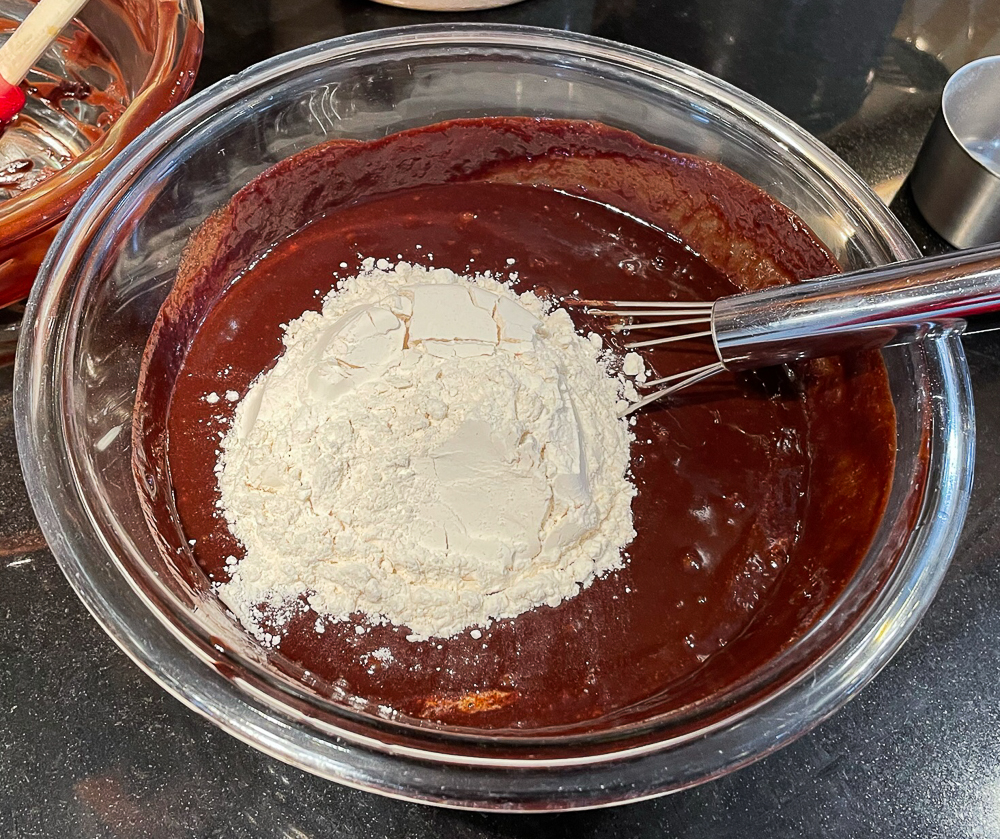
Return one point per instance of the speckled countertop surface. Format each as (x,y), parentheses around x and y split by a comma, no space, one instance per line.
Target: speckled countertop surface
(90,747)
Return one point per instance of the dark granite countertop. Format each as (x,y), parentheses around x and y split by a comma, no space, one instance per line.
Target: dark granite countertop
(90,747)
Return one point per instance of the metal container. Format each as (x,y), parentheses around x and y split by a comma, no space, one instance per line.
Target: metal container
(956,181)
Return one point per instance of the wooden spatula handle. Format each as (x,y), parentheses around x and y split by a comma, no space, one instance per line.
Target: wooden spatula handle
(39,29)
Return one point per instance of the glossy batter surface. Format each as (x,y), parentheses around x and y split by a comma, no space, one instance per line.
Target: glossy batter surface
(758,495)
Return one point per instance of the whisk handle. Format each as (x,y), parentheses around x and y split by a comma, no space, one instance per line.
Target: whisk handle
(861,309)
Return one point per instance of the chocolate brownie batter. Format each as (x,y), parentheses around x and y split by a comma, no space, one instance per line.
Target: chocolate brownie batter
(758,495)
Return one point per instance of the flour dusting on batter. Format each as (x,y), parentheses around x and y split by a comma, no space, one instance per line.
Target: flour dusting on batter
(432,450)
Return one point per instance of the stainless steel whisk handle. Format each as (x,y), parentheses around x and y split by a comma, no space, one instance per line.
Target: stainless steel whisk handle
(861,309)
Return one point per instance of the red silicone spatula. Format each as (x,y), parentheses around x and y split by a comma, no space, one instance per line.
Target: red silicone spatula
(39,29)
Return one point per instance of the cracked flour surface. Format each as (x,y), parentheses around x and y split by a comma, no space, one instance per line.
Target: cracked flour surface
(431,450)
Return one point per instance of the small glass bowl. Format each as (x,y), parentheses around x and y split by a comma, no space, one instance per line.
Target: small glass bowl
(103,281)
(157,45)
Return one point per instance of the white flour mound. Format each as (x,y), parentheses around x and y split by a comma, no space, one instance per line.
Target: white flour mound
(431,450)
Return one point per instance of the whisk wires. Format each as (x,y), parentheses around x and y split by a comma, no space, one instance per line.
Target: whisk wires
(671,314)
(678,381)
(665,315)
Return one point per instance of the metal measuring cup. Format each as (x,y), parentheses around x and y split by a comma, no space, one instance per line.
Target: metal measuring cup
(956,180)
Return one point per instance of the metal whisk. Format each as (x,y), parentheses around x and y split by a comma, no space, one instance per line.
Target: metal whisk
(862,309)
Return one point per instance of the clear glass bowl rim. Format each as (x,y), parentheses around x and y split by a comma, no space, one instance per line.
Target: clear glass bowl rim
(525,785)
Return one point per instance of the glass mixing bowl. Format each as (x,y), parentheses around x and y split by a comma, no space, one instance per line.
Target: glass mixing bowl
(157,46)
(114,261)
